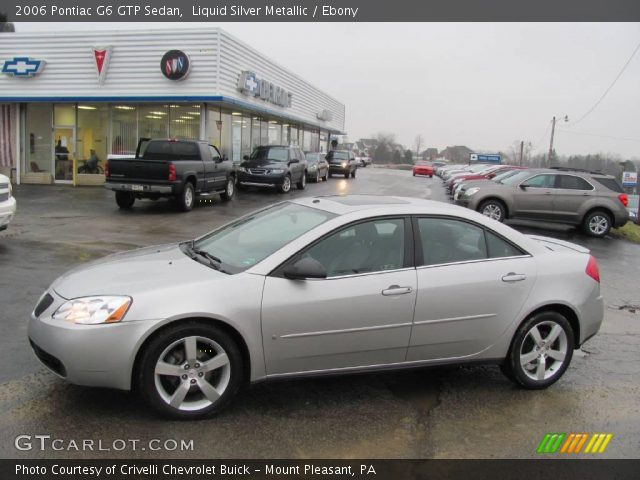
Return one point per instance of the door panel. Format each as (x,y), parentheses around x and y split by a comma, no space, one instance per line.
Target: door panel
(462,309)
(536,200)
(338,322)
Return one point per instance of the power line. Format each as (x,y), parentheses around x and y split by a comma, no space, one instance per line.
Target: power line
(599,135)
(609,88)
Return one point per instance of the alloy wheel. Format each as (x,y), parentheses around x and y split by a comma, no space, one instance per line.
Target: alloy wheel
(492,211)
(230,187)
(543,350)
(192,373)
(598,224)
(286,184)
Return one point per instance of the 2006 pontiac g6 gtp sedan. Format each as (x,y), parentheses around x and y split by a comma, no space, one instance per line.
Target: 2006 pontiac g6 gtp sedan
(315,286)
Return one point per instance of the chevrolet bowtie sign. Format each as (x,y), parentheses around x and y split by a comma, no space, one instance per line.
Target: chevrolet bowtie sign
(23,67)
(251,85)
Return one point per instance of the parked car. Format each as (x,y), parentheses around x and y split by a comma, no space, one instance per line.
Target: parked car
(465,185)
(592,200)
(488,173)
(180,169)
(363,161)
(318,286)
(278,166)
(7,202)
(476,167)
(342,162)
(317,167)
(423,168)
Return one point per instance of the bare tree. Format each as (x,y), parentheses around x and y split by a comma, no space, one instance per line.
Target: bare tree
(419,141)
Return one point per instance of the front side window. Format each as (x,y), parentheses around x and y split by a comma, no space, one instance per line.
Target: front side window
(541,181)
(253,238)
(214,152)
(373,246)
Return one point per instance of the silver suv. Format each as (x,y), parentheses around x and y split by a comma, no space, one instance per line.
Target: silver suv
(592,200)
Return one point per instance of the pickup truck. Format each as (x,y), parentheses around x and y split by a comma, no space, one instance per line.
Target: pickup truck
(170,168)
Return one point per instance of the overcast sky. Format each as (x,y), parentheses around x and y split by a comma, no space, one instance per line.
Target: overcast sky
(484,85)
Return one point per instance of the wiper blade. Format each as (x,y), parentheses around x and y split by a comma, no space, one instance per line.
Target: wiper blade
(200,255)
(205,254)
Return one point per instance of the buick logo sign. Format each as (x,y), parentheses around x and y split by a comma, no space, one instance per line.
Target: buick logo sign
(175,64)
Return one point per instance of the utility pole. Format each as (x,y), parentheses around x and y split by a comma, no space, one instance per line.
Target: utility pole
(553,131)
(521,150)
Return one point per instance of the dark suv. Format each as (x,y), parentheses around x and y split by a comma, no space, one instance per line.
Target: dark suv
(342,162)
(276,166)
(592,200)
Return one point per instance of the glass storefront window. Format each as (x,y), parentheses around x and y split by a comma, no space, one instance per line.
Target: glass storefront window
(275,133)
(264,132)
(285,134)
(236,139)
(124,129)
(153,121)
(92,137)
(214,126)
(38,138)
(226,135)
(255,132)
(294,136)
(184,122)
(246,136)
(64,137)
(306,140)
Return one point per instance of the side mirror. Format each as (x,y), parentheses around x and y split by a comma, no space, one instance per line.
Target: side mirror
(246,157)
(294,160)
(523,186)
(305,268)
(326,157)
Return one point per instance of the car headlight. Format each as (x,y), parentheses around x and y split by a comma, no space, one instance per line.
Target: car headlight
(344,164)
(472,191)
(243,169)
(276,171)
(94,310)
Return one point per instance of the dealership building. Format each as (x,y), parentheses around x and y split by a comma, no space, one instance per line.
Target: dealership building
(69,99)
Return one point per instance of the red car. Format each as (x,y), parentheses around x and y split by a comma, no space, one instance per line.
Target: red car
(423,170)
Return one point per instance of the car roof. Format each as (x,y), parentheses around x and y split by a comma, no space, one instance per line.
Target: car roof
(344,204)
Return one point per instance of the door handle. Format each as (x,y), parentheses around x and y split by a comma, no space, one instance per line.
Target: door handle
(396,290)
(514,277)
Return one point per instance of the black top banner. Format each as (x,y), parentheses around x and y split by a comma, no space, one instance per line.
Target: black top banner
(321,10)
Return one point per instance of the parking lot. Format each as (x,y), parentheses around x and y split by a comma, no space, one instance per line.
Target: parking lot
(453,412)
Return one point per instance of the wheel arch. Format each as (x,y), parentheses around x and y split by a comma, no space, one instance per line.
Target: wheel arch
(564,310)
(598,208)
(505,204)
(227,328)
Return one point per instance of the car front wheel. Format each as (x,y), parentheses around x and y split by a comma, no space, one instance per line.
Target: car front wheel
(597,224)
(190,371)
(493,209)
(286,185)
(541,351)
(303,181)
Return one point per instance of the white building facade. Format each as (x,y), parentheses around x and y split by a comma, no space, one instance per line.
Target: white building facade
(70,97)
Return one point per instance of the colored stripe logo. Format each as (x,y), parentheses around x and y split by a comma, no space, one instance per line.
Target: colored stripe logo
(574,443)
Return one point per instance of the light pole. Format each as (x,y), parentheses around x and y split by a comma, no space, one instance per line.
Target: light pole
(553,131)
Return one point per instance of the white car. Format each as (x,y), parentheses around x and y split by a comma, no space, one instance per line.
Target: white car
(7,203)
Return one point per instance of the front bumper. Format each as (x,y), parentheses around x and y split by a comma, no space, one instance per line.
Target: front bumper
(267,180)
(7,211)
(139,188)
(339,169)
(91,355)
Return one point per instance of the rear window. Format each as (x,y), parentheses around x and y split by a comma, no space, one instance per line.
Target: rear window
(166,150)
(610,183)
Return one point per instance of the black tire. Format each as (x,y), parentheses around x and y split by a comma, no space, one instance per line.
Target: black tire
(317,177)
(353,174)
(303,181)
(346,175)
(125,200)
(597,224)
(522,344)
(232,377)
(493,206)
(330,174)
(286,185)
(326,175)
(187,198)
(229,189)
(414,174)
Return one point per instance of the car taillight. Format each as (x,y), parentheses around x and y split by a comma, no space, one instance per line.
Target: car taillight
(592,269)
(106,168)
(172,173)
(624,199)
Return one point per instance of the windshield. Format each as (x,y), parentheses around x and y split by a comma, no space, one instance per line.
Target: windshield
(273,154)
(517,178)
(338,156)
(254,237)
(312,157)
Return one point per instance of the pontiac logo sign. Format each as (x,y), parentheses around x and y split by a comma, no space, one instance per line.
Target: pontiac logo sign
(101,56)
(249,84)
(324,115)
(175,65)
(23,67)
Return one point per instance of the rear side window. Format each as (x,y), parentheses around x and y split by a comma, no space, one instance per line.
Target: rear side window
(499,248)
(610,183)
(166,150)
(572,182)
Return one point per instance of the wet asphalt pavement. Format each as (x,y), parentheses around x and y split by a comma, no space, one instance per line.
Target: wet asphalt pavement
(452,412)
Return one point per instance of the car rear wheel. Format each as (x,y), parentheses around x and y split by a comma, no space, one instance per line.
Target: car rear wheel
(346,175)
(229,190)
(303,181)
(493,209)
(190,371)
(187,198)
(353,174)
(286,185)
(597,224)
(541,351)
(125,200)
(326,175)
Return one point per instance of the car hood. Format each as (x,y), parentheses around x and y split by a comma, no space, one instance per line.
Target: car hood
(263,163)
(133,272)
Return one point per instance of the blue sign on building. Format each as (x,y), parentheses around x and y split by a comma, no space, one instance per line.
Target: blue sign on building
(486,158)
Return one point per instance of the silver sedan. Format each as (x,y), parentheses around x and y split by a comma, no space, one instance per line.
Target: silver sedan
(314,286)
